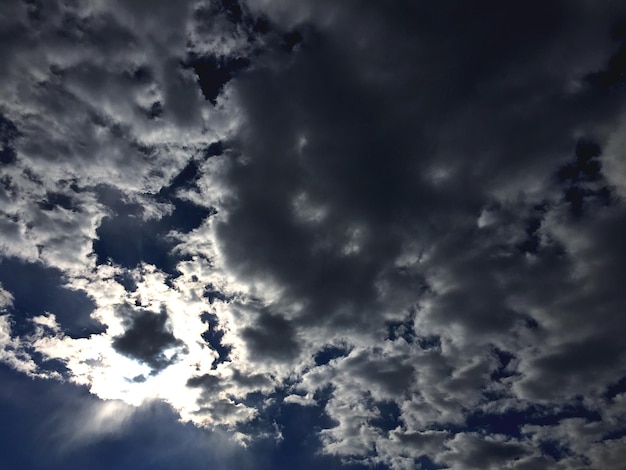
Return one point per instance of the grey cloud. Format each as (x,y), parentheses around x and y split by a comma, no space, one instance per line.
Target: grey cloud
(271,337)
(210,383)
(182,95)
(472,451)
(609,454)
(251,381)
(214,383)
(371,174)
(8,134)
(147,337)
(413,444)
(574,368)
(585,351)
(420,183)
(383,208)
(224,410)
(385,375)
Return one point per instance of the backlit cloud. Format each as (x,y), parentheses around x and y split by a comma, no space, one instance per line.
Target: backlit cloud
(381,234)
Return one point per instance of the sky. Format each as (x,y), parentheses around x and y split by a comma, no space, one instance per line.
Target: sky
(339,234)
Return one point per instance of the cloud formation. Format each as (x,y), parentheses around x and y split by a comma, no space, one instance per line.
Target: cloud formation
(405,219)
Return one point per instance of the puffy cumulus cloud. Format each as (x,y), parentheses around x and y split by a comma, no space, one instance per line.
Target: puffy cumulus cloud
(148,353)
(407,217)
(468,450)
(11,352)
(101,100)
(6,299)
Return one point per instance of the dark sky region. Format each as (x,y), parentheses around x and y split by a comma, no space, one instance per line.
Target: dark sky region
(338,234)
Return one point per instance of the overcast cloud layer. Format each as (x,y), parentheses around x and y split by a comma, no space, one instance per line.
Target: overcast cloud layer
(400,224)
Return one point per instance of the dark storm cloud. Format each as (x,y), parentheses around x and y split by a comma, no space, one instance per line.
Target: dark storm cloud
(433,157)
(8,133)
(356,185)
(271,337)
(147,337)
(408,216)
(327,131)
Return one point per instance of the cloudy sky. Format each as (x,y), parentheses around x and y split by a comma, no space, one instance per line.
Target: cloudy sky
(267,234)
